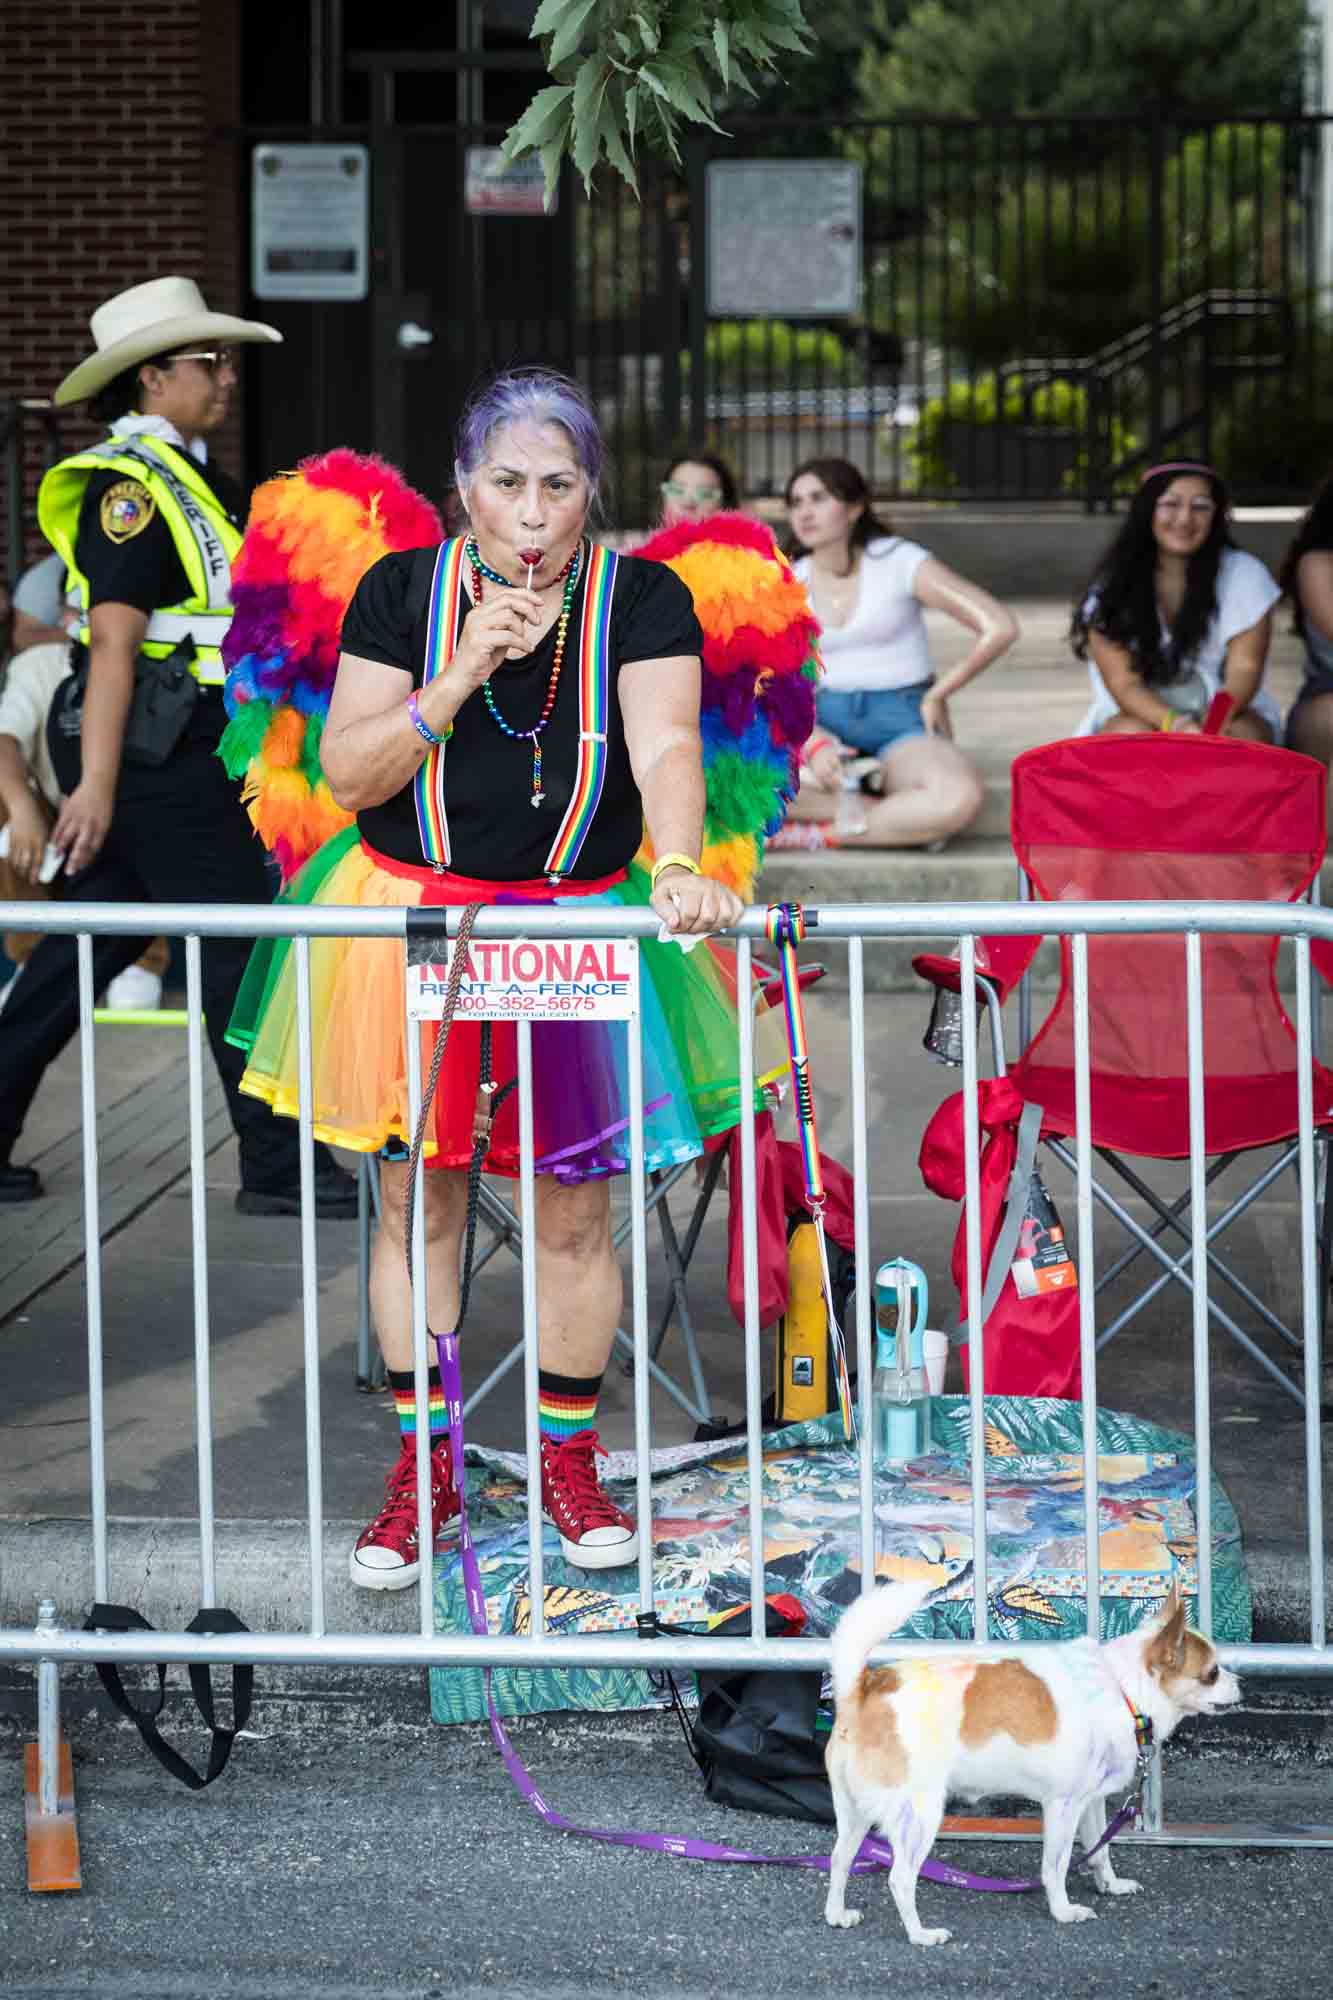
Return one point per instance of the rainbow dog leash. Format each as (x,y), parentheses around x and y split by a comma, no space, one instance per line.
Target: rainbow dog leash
(594,654)
(786,928)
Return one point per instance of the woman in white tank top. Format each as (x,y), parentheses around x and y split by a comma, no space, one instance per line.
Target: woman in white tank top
(1176,614)
(879,698)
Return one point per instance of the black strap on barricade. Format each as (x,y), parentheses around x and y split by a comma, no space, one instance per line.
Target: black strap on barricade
(122,1618)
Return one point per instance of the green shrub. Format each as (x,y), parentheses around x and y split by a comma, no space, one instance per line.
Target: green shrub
(1057,405)
(760,350)
(1276,437)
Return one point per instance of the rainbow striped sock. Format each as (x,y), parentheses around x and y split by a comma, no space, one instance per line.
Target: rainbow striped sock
(403,1383)
(566,1403)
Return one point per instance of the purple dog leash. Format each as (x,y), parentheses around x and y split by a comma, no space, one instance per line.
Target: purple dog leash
(875,1854)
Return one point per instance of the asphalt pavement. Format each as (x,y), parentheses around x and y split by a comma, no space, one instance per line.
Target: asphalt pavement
(403,1864)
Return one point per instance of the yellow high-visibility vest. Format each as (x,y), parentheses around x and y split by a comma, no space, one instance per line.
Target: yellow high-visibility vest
(205,541)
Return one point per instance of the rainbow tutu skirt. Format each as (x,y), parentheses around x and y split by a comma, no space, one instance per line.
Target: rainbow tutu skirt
(580,1069)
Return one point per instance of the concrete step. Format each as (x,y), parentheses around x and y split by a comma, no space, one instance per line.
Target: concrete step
(970,870)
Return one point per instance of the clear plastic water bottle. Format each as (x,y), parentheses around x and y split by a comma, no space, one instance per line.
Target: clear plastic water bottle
(900,1398)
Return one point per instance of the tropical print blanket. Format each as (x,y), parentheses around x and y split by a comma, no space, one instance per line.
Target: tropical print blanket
(923,1528)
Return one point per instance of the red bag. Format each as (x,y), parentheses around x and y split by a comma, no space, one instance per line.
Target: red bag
(1030,1344)
(780,1192)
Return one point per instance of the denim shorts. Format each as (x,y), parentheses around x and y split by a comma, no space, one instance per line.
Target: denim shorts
(872,720)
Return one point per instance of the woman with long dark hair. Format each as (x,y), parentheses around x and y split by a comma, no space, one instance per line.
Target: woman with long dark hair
(880,697)
(1175,612)
(1306,578)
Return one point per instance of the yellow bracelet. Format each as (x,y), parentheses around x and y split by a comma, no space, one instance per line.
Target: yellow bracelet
(1170,722)
(674,861)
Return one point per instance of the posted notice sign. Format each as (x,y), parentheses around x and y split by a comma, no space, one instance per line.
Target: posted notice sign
(507,979)
(495,185)
(310,222)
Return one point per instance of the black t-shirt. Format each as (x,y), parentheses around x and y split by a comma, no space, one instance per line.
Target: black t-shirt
(125,548)
(495,832)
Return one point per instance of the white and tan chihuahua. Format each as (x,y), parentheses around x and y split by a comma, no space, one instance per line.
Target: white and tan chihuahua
(1056,1723)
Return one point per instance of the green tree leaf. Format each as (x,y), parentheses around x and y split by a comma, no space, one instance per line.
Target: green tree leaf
(552,156)
(548,113)
(565,41)
(548,17)
(616,151)
(589,105)
(686,54)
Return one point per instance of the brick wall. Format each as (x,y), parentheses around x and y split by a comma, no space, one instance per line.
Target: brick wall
(111,172)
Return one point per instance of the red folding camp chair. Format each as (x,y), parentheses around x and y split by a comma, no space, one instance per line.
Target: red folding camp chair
(1183,819)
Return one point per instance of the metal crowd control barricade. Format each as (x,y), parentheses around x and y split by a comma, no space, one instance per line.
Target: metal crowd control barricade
(49,1645)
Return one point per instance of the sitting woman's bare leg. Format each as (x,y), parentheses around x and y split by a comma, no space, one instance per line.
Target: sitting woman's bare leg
(1310,727)
(813,801)
(1247,727)
(1125,725)
(930,790)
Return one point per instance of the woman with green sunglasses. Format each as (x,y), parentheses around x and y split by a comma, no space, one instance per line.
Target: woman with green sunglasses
(696,487)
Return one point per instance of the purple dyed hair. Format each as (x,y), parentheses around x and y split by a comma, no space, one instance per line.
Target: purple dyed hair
(531,396)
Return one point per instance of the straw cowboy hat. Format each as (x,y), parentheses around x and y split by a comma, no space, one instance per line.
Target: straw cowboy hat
(147,320)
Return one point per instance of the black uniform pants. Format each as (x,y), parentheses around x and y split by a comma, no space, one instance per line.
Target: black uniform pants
(179,834)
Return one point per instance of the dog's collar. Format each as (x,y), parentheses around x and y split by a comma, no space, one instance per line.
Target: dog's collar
(1143,1736)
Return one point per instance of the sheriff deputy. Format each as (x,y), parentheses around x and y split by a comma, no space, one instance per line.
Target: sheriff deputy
(147,526)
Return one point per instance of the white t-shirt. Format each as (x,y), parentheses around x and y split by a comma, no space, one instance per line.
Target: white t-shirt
(30,682)
(883,644)
(40,591)
(1245,591)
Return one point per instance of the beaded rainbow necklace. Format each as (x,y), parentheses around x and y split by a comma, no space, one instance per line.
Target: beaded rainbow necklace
(481,572)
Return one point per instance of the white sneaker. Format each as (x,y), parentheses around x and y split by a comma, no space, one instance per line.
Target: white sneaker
(134,991)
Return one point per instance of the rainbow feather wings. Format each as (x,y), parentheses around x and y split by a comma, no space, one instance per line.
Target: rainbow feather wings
(313,534)
(310,539)
(761,665)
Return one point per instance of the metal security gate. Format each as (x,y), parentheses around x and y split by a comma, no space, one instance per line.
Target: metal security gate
(1045,307)
(51,1645)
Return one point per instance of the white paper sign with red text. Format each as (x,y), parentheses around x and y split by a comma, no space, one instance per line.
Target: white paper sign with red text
(522,979)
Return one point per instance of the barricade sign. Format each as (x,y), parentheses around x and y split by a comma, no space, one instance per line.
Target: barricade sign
(506,979)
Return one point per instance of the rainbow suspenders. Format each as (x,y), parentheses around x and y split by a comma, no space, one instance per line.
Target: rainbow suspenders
(594,669)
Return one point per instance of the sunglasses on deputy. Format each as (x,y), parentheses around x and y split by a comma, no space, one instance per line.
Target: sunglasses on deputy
(211,358)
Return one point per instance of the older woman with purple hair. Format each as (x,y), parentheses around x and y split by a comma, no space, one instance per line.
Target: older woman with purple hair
(509,709)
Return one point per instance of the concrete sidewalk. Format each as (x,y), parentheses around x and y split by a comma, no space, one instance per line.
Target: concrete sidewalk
(255,1279)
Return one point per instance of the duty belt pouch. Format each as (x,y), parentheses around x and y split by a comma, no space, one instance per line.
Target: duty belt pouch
(165,693)
(121,1618)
